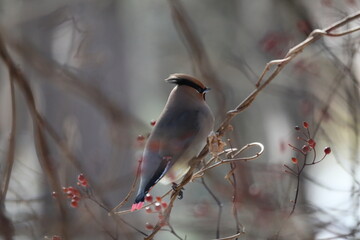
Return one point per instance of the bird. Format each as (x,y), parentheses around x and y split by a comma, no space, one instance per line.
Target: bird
(180,133)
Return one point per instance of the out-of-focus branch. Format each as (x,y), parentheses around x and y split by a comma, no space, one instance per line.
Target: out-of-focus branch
(197,52)
(41,145)
(218,202)
(58,75)
(6,226)
(11,147)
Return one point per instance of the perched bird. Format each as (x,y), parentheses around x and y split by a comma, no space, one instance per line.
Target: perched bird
(179,134)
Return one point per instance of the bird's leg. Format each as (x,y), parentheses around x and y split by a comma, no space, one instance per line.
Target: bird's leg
(181,193)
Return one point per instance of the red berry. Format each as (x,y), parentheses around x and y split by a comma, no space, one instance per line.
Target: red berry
(157,206)
(55,237)
(153,122)
(148,198)
(158,199)
(297,128)
(69,194)
(81,177)
(149,226)
(140,138)
(327,150)
(305,149)
(148,209)
(64,189)
(294,160)
(84,183)
(54,194)
(311,143)
(76,192)
(70,190)
(305,124)
(74,203)
(164,204)
(75,198)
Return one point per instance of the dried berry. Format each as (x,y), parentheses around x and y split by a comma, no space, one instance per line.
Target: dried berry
(164,204)
(149,226)
(305,149)
(311,143)
(157,206)
(148,209)
(54,194)
(81,177)
(327,150)
(74,203)
(140,138)
(148,198)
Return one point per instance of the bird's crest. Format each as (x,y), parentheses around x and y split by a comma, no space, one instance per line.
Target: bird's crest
(184,79)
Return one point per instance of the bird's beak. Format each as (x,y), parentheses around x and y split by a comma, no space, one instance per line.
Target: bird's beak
(206,90)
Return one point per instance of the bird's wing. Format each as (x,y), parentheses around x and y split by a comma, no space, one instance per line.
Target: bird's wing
(182,129)
(166,147)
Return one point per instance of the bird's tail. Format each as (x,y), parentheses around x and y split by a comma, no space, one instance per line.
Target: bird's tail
(139,202)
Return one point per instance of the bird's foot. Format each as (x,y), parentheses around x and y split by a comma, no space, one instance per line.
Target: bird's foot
(180,193)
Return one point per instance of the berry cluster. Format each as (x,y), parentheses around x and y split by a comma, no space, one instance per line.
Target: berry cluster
(158,208)
(309,145)
(73,193)
(82,181)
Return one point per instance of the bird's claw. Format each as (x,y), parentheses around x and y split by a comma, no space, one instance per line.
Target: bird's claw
(181,193)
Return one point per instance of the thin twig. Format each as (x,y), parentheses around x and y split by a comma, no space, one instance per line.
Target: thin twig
(234,153)
(100,223)
(231,237)
(132,189)
(220,206)
(172,231)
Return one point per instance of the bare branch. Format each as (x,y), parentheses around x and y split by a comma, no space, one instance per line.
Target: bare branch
(41,145)
(11,147)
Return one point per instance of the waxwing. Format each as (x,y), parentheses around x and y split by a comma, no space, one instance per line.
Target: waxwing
(179,135)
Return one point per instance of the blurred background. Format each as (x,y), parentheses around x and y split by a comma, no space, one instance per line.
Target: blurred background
(81,79)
